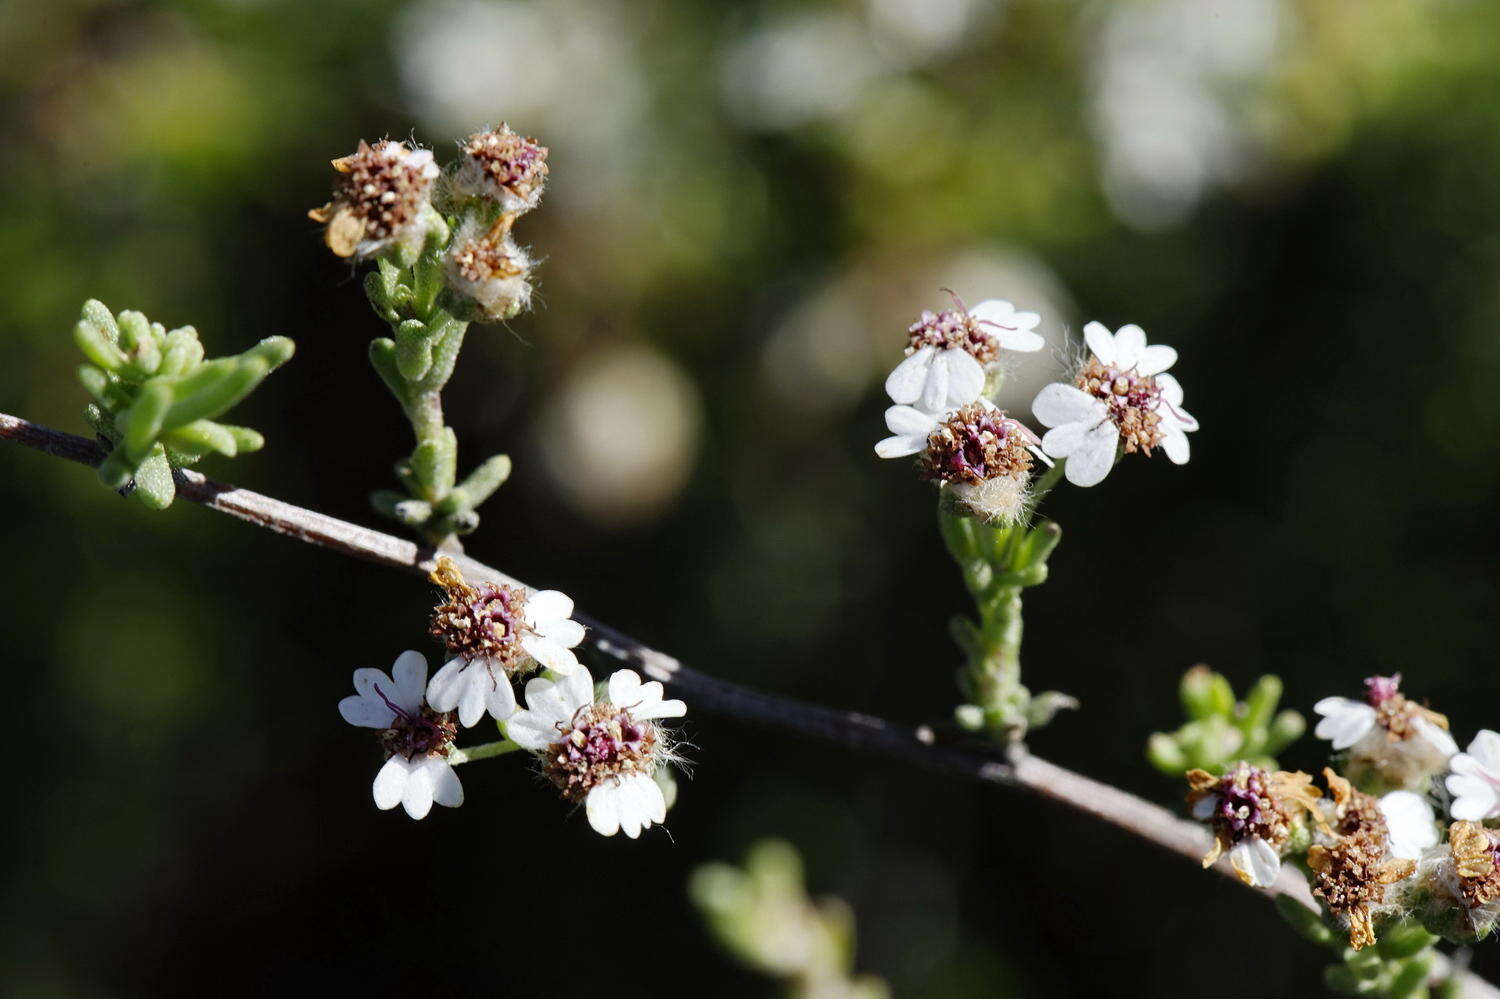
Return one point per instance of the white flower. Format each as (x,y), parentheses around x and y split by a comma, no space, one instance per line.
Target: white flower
(1388,737)
(1409,822)
(1475,781)
(381,199)
(1256,862)
(605,753)
(538,632)
(948,352)
(1122,399)
(911,427)
(416,741)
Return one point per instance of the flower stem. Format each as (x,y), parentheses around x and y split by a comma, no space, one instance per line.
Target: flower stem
(483,751)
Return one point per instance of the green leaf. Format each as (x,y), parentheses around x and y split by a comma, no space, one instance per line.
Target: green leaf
(413,349)
(215,387)
(116,469)
(1205,693)
(139,340)
(203,436)
(383,360)
(1166,755)
(1308,924)
(153,481)
(141,424)
(98,342)
(181,352)
(481,483)
(434,464)
(1403,940)
(1260,703)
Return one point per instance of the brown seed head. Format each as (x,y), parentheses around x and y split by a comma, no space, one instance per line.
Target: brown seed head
(1476,861)
(505,166)
(1351,876)
(380,193)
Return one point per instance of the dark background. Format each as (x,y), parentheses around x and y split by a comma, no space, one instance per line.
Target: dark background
(749,203)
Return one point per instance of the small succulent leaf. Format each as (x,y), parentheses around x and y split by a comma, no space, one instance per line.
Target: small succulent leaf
(153,480)
(141,424)
(203,436)
(413,349)
(1308,924)
(1403,940)
(98,345)
(96,381)
(232,380)
(245,439)
(434,464)
(1166,755)
(116,469)
(383,360)
(181,352)
(481,483)
(1260,703)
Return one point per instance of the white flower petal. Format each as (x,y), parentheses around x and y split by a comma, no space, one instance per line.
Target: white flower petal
(965,379)
(566,633)
(410,674)
(1171,390)
(1175,443)
(1094,457)
(1436,736)
(603,808)
(908,421)
(500,699)
(1058,404)
(1100,341)
(446,685)
(1130,344)
(548,605)
(365,712)
(1474,798)
(1265,864)
(624,688)
(577,689)
(532,730)
(1344,724)
(446,789)
(1062,441)
(417,799)
(935,389)
(904,384)
(900,447)
(1485,748)
(367,677)
(1204,806)
(997,311)
(553,655)
(390,783)
(1410,822)
(476,686)
(1154,359)
(1021,341)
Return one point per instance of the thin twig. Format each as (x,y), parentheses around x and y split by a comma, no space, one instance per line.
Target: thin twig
(1110,804)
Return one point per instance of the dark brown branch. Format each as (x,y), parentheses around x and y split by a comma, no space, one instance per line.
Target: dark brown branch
(1110,804)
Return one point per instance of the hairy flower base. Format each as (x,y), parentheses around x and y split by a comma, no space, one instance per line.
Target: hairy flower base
(485,621)
(1133,401)
(380,195)
(604,744)
(504,166)
(489,269)
(1354,812)
(975,444)
(1351,876)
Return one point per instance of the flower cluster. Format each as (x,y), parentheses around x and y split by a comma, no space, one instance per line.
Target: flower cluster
(941,414)
(609,755)
(1374,848)
(1120,400)
(389,199)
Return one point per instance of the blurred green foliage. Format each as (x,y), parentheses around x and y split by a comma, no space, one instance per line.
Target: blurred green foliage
(1221,730)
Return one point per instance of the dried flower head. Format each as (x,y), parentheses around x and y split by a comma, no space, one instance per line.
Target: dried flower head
(495,632)
(486,268)
(1122,400)
(605,753)
(503,166)
(1476,862)
(1391,740)
(415,738)
(1352,811)
(1252,812)
(1351,877)
(380,199)
(948,352)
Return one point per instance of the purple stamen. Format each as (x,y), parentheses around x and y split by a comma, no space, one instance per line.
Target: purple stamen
(1379,689)
(399,713)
